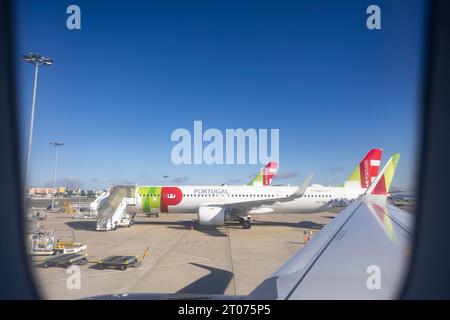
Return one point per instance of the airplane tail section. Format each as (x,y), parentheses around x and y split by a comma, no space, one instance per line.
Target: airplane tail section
(382,182)
(264,178)
(367,170)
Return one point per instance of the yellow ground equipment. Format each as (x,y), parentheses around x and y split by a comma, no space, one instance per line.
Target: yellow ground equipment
(65,260)
(66,247)
(122,262)
(68,208)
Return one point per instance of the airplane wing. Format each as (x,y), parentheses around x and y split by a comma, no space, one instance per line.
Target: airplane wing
(362,254)
(243,207)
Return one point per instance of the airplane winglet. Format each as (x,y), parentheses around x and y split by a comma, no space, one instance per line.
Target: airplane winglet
(382,183)
(302,187)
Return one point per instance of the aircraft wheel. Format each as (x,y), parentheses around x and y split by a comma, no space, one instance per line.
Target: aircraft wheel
(246,224)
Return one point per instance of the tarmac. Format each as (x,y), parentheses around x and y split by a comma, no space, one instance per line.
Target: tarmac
(183,257)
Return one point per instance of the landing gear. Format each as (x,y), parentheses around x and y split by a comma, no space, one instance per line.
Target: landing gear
(245,223)
(149,215)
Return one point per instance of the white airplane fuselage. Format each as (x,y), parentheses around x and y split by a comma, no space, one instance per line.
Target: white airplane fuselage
(189,199)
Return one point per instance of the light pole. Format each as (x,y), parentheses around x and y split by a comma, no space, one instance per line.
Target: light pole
(37,60)
(57,145)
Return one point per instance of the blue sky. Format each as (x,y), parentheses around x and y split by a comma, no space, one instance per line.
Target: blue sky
(138,70)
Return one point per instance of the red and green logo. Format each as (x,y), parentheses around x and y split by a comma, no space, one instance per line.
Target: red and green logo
(159,197)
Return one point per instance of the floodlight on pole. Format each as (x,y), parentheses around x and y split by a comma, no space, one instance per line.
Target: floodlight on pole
(37,60)
(56,145)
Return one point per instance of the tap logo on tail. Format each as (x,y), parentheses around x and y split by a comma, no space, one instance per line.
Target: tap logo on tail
(265,176)
(367,170)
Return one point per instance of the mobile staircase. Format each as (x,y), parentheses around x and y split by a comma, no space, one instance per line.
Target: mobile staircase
(112,211)
(96,203)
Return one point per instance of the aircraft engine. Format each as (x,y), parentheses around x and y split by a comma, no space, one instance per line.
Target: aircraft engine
(211,216)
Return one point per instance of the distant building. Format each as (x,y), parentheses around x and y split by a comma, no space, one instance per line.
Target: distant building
(40,191)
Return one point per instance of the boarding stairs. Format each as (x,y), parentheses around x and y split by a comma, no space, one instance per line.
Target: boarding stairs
(112,209)
(96,203)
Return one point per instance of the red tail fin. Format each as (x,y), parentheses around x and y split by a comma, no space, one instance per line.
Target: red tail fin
(367,170)
(369,167)
(268,172)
